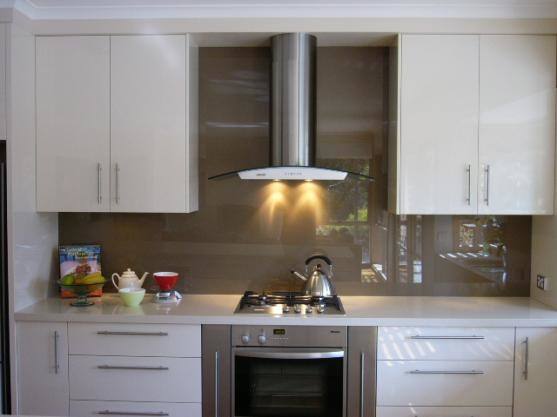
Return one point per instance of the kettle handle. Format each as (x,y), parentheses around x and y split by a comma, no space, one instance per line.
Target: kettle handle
(322,257)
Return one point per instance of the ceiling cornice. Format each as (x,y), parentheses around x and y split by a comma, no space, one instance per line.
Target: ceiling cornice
(479,10)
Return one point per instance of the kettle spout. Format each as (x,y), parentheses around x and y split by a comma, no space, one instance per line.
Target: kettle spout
(301,276)
(142,279)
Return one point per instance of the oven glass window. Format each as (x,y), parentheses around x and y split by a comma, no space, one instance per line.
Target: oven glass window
(288,387)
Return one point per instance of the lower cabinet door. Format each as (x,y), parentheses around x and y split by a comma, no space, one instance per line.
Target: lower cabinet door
(144,409)
(121,378)
(444,411)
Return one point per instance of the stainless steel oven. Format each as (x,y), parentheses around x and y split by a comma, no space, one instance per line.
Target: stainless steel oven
(289,371)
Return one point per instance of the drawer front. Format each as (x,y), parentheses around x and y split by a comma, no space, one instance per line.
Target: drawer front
(444,412)
(135,379)
(445,383)
(445,344)
(173,340)
(143,409)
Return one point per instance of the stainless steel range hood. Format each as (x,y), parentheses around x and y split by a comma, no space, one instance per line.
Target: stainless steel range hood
(293,117)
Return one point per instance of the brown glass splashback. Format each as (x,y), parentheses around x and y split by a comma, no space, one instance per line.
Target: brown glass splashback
(250,234)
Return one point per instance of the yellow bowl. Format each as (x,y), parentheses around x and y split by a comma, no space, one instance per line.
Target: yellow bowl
(132,297)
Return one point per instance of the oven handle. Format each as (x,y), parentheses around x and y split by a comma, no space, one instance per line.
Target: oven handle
(321,354)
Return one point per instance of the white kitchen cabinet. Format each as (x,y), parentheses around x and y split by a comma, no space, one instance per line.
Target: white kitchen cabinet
(73,128)
(42,369)
(444,411)
(152,144)
(3,73)
(476,125)
(517,124)
(535,372)
(121,408)
(438,126)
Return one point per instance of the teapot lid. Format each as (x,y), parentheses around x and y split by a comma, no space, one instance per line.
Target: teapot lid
(129,273)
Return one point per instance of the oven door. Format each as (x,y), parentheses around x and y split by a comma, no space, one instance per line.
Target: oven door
(289,382)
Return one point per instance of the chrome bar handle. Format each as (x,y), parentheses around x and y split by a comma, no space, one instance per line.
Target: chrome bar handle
(99,183)
(217,383)
(472,372)
(486,174)
(469,184)
(140,368)
(117,183)
(526,358)
(473,337)
(132,413)
(362,383)
(110,333)
(56,363)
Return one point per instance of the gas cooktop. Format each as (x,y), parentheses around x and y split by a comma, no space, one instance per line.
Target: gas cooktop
(284,302)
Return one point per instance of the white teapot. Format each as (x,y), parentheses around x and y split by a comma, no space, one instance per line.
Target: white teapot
(129,279)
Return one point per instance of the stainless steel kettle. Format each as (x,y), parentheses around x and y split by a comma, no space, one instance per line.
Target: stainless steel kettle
(318,283)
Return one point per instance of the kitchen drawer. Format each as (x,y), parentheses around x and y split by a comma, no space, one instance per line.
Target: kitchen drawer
(444,412)
(173,340)
(445,344)
(121,378)
(445,383)
(143,409)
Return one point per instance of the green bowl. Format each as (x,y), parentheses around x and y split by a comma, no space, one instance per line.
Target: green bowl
(132,297)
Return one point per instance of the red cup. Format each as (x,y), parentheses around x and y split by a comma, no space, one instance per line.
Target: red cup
(166,280)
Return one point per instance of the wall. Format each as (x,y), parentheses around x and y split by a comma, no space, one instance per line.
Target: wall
(249,235)
(33,237)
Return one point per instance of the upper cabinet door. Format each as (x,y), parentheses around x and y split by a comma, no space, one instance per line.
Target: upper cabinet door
(438,124)
(517,124)
(149,124)
(73,129)
(3,96)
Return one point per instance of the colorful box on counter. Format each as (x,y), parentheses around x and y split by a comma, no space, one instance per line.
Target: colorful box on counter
(77,263)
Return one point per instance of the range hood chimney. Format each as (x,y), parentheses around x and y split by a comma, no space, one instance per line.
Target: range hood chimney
(293,116)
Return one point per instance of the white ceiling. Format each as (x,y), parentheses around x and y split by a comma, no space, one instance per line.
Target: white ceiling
(164,9)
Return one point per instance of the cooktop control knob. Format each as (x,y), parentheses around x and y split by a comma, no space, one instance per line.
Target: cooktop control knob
(309,309)
(262,339)
(321,308)
(286,308)
(245,339)
(297,308)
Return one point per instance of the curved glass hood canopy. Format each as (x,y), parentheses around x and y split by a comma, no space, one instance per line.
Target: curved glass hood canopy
(293,116)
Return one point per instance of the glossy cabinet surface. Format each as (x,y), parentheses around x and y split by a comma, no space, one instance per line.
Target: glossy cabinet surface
(119,408)
(73,128)
(445,344)
(445,383)
(171,340)
(444,412)
(42,369)
(3,75)
(148,123)
(517,124)
(439,90)
(216,369)
(535,372)
(362,360)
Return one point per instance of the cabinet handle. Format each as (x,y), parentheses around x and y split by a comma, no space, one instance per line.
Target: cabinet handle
(117,183)
(469,184)
(56,363)
(99,183)
(217,383)
(473,337)
(140,368)
(362,383)
(526,358)
(418,372)
(109,333)
(486,175)
(132,413)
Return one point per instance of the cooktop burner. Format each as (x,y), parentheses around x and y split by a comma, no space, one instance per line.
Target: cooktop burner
(284,302)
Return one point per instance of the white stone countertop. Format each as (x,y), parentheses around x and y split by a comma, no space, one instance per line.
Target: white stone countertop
(360,311)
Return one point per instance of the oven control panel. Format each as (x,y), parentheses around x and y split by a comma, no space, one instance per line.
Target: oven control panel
(292,336)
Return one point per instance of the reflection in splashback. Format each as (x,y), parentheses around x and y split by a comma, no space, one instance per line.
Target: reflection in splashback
(250,234)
